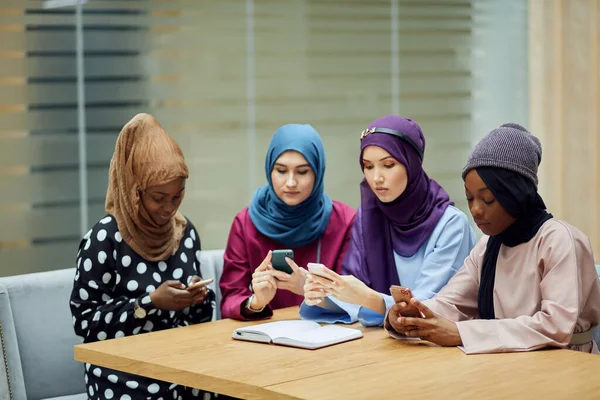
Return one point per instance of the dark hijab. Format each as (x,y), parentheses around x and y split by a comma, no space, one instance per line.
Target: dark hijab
(519,197)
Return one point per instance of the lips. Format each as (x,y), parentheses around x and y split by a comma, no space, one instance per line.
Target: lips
(480,223)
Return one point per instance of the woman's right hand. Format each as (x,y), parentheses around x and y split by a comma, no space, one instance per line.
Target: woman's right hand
(171,296)
(263,284)
(314,291)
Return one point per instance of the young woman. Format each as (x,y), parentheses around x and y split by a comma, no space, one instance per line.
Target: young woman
(138,268)
(531,283)
(407,232)
(291,212)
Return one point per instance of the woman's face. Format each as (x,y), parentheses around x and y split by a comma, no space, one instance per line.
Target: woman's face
(488,213)
(162,201)
(292,177)
(386,177)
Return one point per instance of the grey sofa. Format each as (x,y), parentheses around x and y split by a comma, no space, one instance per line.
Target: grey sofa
(37,336)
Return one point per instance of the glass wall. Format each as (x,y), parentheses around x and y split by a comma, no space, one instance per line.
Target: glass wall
(222,76)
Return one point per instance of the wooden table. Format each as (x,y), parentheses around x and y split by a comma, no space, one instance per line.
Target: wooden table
(205,357)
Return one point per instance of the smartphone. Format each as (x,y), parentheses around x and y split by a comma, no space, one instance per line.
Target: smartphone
(278,260)
(401,293)
(199,284)
(316,268)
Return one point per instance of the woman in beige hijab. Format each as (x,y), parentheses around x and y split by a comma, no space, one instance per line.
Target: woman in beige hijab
(138,268)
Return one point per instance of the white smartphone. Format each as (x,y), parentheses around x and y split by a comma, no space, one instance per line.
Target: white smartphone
(199,284)
(317,269)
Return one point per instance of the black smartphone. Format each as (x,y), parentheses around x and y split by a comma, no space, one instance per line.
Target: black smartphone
(278,260)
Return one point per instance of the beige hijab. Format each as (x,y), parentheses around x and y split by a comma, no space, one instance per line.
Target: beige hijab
(145,156)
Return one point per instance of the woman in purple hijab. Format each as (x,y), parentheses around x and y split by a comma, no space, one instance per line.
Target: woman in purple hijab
(407,232)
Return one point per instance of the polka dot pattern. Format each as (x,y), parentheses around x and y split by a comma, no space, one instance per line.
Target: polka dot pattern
(178,273)
(108,279)
(101,235)
(141,268)
(153,388)
(132,384)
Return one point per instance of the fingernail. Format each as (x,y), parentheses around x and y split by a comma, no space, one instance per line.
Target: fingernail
(319,301)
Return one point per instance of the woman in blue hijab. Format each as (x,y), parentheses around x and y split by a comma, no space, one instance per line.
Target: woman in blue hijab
(291,211)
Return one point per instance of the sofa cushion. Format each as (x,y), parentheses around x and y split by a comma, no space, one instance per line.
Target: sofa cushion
(82,396)
(44,333)
(211,267)
(9,347)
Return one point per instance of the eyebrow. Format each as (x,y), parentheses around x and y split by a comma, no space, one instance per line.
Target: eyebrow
(166,194)
(479,190)
(381,159)
(298,166)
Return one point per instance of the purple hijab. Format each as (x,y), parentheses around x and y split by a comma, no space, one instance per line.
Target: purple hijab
(405,224)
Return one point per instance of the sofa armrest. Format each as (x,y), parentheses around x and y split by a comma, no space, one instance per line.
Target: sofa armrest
(12,383)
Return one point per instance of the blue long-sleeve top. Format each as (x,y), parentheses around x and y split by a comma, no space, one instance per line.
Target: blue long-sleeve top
(425,272)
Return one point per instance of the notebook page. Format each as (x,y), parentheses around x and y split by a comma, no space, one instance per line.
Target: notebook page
(323,336)
(281,328)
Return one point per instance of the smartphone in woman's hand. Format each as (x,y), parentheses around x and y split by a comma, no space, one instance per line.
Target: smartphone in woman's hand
(199,284)
(401,294)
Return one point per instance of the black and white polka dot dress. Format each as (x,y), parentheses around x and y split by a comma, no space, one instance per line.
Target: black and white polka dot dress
(110,277)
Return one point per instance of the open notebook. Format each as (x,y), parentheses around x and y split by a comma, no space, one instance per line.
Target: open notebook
(304,334)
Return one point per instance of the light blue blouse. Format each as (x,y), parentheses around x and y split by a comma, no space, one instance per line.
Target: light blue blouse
(425,273)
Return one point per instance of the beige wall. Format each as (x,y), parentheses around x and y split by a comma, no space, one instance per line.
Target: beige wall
(565,108)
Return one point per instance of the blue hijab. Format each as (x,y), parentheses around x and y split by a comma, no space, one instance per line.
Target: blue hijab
(293,226)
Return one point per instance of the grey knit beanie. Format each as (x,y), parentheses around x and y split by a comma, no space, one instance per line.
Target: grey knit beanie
(511,147)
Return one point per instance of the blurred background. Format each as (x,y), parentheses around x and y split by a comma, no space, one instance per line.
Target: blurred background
(222,76)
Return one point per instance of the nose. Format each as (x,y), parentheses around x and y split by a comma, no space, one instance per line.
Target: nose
(291,181)
(476,209)
(378,178)
(169,207)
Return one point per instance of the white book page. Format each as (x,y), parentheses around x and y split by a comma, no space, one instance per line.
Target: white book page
(324,336)
(280,328)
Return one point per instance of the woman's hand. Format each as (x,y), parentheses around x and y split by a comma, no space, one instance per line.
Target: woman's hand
(264,284)
(346,288)
(198,292)
(431,326)
(171,296)
(314,292)
(294,282)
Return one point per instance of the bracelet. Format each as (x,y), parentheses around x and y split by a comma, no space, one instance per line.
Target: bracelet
(248,302)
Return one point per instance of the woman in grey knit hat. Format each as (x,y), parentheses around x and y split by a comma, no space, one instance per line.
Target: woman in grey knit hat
(529,283)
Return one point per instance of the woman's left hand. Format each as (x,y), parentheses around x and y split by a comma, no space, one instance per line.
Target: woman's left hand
(431,327)
(295,282)
(345,288)
(198,293)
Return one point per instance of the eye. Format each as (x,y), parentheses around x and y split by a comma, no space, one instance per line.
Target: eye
(303,172)
(157,200)
(469,199)
(488,202)
(368,167)
(388,166)
(281,171)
